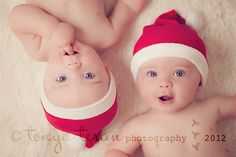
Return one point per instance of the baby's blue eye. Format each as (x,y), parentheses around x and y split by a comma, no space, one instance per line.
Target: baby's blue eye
(179,73)
(88,75)
(61,79)
(152,74)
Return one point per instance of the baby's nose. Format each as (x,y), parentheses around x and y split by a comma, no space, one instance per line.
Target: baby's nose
(73,65)
(165,84)
(72,62)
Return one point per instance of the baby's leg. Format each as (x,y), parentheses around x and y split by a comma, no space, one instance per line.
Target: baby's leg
(122,15)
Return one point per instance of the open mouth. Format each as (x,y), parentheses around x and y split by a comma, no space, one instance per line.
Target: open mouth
(165,98)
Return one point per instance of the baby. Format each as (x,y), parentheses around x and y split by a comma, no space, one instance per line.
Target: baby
(169,66)
(78,92)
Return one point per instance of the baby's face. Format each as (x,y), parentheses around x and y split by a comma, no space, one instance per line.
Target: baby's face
(168,84)
(73,81)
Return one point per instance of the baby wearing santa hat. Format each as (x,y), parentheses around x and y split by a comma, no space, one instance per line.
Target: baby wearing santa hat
(169,66)
(78,92)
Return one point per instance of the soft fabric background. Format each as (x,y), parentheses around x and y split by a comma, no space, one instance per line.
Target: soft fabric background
(24,131)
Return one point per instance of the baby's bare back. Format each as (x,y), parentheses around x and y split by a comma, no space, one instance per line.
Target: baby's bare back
(88,17)
(191,132)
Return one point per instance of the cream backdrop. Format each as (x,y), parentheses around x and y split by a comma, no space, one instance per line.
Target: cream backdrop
(24,130)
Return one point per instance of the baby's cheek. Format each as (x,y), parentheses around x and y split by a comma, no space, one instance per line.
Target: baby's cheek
(146,90)
(148,99)
(149,95)
(188,94)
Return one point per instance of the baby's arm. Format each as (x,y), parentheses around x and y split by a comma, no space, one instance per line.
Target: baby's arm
(121,147)
(122,15)
(31,25)
(226,106)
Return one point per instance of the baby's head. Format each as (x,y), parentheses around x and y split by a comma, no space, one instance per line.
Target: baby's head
(77,81)
(169,63)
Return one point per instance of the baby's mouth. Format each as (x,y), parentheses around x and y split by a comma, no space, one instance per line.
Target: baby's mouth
(165,98)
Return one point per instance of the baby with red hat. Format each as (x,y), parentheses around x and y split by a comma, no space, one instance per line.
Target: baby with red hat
(169,66)
(78,92)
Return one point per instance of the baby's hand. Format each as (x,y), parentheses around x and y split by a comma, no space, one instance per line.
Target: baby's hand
(67,50)
(73,48)
(63,36)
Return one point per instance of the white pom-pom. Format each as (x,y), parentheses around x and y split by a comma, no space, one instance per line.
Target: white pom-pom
(195,19)
(76,142)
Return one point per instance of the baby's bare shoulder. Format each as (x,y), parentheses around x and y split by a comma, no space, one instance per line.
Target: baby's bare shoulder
(135,120)
(135,123)
(210,101)
(207,107)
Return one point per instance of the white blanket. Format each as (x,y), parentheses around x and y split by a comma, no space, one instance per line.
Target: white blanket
(24,131)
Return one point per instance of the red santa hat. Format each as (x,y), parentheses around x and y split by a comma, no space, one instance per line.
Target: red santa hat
(169,36)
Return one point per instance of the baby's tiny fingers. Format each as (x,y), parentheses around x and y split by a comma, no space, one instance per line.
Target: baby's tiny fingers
(76,49)
(69,50)
(76,46)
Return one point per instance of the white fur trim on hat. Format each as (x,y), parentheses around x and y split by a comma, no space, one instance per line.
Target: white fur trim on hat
(86,112)
(170,50)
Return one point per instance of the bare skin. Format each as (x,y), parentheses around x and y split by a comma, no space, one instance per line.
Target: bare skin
(90,24)
(93,25)
(68,35)
(179,127)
